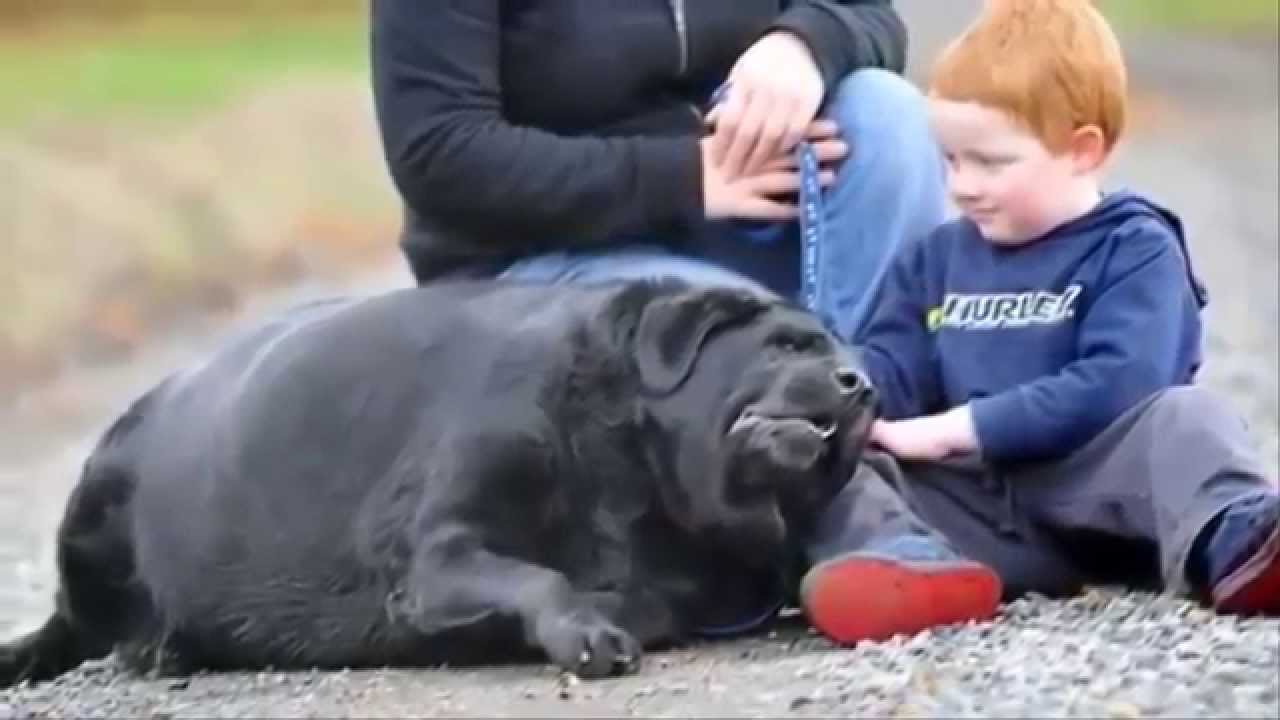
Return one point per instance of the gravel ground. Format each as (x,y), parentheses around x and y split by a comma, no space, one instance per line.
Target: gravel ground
(1105,654)
(1207,147)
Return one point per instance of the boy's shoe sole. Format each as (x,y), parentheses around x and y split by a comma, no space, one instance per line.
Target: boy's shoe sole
(1254,588)
(867,597)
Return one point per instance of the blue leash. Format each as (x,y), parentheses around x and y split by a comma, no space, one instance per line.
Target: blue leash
(813,218)
(813,232)
(813,227)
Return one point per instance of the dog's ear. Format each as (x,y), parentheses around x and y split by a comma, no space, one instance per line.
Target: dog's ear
(672,329)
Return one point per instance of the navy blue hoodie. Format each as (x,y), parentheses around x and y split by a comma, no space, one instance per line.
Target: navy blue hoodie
(1050,341)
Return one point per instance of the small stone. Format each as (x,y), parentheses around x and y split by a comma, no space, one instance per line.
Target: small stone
(1123,710)
(566,682)
(799,702)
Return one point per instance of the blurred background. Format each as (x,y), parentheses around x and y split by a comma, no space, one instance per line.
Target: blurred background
(169,168)
(156,162)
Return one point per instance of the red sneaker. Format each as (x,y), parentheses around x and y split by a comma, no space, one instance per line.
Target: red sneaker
(1254,587)
(1242,557)
(872,596)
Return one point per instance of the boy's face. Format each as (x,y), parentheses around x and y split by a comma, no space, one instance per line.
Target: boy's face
(999,175)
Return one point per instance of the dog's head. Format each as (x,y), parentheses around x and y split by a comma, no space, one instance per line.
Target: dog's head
(761,414)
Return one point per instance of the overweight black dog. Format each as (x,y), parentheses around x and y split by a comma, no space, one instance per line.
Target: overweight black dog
(471,468)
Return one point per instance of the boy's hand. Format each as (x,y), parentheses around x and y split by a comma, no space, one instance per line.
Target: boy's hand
(932,437)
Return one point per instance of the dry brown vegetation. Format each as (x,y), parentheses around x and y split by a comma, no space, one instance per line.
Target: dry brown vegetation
(159,159)
(110,233)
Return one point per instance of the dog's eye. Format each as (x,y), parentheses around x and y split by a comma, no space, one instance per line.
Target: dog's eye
(796,343)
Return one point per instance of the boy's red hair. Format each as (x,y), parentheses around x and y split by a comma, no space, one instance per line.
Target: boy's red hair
(1054,66)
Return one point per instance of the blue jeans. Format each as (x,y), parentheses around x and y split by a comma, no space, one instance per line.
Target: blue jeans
(890,188)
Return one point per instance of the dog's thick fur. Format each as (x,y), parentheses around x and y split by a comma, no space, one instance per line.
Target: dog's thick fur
(400,480)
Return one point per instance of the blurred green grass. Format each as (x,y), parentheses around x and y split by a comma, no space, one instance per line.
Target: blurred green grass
(166,66)
(1225,18)
(161,64)
(169,162)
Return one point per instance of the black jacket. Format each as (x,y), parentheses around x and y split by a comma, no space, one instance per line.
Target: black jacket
(517,126)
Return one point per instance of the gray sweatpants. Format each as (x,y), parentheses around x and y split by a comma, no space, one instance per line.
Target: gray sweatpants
(1124,509)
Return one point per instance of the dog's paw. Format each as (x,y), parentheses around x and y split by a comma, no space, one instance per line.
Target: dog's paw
(586,643)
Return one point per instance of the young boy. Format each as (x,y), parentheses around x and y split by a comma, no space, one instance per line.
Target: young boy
(1034,359)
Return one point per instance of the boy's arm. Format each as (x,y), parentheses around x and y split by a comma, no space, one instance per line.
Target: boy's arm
(895,344)
(1141,334)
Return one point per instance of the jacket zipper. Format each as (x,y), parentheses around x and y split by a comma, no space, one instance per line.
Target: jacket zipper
(682,30)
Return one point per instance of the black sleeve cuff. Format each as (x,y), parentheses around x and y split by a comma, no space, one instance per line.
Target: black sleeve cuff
(670,181)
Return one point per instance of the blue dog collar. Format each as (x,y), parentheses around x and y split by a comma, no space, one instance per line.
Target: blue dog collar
(742,626)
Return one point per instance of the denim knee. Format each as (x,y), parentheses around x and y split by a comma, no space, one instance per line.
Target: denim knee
(876,108)
(891,188)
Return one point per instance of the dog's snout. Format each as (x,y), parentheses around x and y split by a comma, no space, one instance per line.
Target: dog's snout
(850,381)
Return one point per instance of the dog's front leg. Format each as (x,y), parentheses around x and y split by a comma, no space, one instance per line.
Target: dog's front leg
(459,582)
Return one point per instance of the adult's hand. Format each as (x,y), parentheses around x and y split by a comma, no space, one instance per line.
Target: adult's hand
(759,195)
(775,91)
